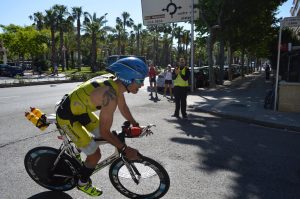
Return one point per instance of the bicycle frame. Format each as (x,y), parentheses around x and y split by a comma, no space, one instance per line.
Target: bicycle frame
(67,147)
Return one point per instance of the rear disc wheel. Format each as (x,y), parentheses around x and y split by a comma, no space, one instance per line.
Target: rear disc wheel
(39,163)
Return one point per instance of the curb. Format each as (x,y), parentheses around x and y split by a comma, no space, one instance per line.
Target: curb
(36,83)
(250,120)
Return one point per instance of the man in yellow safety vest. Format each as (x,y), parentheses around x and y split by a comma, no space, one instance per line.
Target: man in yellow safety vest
(181,84)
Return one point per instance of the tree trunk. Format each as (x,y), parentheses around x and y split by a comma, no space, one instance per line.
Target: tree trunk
(243,60)
(94,52)
(62,56)
(78,45)
(222,51)
(138,43)
(72,60)
(229,63)
(212,83)
(53,50)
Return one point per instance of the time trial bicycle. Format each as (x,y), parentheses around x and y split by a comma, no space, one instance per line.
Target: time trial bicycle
(58,169)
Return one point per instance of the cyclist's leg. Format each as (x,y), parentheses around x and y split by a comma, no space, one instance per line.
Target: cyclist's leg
(82,139)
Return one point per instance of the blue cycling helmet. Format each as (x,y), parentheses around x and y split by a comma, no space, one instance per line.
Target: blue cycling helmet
(128,69)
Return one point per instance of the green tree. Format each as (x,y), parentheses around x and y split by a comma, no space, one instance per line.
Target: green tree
(50,21)
(124,21)
(77,13)
(138,28)
(38,19)
(63,24)
(92,25)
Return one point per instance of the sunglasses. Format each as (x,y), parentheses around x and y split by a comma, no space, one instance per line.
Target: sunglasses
(139,81)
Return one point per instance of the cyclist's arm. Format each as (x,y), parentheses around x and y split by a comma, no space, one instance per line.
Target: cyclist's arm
(109,106)
(125,110)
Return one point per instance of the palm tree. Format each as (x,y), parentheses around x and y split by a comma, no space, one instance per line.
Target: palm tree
(186,38)
(145,35)
(167,44)
(178,35)
(124,21)
(137,28)
(119,30)
(93,27)
(62,23)
(38,19)
(77,14)
(50,21)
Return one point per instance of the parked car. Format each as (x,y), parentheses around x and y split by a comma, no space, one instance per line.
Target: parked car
(10,71)
(237,70)
(201,75)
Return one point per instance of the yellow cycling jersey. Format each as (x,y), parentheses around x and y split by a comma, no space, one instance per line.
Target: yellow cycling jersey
(80,97)
(75,113)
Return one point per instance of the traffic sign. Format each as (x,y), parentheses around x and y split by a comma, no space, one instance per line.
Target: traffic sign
(291,22)
(167,11)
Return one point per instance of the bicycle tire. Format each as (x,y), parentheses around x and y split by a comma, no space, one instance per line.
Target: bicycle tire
(148,165)
(38,162)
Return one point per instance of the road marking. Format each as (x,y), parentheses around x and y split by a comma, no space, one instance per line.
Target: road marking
(9,97)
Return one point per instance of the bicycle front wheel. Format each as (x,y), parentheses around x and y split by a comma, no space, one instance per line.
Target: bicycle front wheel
(154,181)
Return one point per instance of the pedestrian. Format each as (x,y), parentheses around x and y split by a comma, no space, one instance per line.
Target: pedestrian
(182,75)
(39,70)
(267,70)
(168,81)
(55,70)
(152,79)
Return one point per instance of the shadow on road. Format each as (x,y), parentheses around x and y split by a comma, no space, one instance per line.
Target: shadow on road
(264,162)
(51,194)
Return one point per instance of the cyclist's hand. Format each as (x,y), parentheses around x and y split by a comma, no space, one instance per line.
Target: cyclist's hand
(131,153)
(135,124)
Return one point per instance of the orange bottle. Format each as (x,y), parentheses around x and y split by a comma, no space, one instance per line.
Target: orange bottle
(39,122)
(36,112)
(32,118)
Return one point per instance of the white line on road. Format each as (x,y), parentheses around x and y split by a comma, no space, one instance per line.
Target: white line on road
(9,97)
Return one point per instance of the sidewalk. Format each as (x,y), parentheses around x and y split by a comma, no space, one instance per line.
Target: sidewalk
(30,79)
(243,100)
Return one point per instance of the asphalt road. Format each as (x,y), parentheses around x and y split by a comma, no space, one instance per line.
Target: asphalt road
(206,157)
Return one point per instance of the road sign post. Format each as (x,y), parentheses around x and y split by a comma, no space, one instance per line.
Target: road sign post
(171,11)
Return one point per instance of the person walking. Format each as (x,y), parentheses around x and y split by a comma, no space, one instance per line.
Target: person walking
(152,79)
(168,81)
(267,72)
(182,75)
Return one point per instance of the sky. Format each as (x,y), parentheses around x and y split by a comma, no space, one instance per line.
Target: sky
(17,11)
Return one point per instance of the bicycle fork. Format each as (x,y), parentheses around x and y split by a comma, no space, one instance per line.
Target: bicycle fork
(135,174)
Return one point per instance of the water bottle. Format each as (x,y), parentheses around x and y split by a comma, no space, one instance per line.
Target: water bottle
(39,122)
(32,118)
(36,112)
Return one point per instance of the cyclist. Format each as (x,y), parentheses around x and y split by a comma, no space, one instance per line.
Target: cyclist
(76,114)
